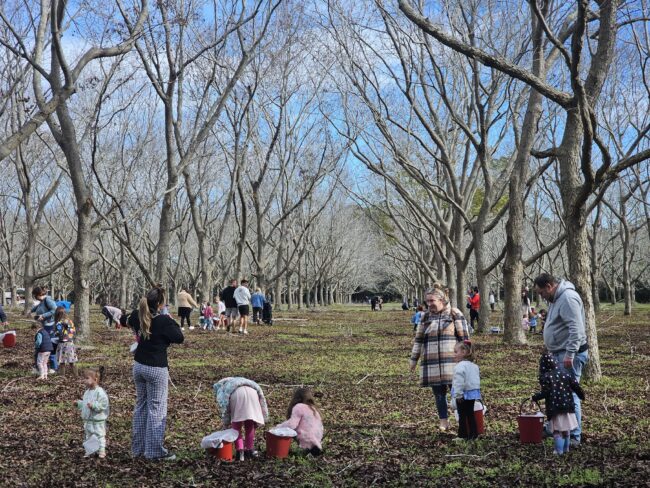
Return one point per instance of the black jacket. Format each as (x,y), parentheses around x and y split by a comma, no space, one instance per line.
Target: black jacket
(228,297)
(557,387)
(164,331)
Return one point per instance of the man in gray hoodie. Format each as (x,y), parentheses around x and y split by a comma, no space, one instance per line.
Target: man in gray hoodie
(564,332)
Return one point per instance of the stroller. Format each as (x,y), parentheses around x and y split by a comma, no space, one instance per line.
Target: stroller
(267,313)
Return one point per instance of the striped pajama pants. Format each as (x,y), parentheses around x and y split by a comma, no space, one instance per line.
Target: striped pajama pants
(150,413)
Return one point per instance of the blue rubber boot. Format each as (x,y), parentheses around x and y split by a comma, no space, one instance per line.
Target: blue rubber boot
(558,443)
(567,443)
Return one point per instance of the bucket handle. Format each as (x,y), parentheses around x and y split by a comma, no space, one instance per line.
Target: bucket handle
(529,400)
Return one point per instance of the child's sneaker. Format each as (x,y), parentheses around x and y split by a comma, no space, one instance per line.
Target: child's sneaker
(241,330)
(240,456)
(191,327)
(246,332)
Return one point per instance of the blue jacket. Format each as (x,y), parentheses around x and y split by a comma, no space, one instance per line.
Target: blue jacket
(43,342)
(46,309)
(3,315)
(257,300)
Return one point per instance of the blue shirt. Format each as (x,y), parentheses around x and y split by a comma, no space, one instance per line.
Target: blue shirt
(46,309)
(257,300)
(472,395)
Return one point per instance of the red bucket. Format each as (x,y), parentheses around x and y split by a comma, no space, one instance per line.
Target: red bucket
(531,426)
(478,416)
(224,452)
(9,339)
(277,447)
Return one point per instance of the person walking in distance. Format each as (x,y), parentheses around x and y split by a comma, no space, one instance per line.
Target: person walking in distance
(228,297)
(564,333)
(257,301)
(492,300)
(243,298)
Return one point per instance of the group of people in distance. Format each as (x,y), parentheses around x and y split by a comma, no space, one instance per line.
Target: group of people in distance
(233,306)
(446,354)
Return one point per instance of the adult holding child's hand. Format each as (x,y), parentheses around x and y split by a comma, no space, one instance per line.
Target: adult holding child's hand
(155,333)
(438,332)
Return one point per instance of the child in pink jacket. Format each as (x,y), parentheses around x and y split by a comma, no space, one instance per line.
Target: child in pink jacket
(304,418)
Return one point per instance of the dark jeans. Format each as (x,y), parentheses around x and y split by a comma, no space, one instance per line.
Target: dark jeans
(466,421)
(257,314)
(473,315)
(440,392)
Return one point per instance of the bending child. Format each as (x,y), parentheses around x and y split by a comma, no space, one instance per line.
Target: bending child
(305,419)
(242,404)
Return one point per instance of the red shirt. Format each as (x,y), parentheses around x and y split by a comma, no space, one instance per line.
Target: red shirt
(475,302)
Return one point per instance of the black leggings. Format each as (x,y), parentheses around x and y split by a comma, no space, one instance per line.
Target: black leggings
(466,421)
(184,313)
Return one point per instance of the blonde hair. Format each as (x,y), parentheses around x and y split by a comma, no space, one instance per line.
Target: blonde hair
(151,301)
(439,292)
(97,372)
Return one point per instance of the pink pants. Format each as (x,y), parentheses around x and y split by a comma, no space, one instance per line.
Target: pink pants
(42,363)
(249,427)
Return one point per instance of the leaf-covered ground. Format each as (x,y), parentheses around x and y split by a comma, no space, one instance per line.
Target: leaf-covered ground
(380,426)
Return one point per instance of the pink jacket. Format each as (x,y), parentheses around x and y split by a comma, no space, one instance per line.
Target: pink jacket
(307,424)
(207,312)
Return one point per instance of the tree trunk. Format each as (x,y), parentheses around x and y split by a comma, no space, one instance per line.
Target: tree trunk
(67,140)
(513,268)
(577,237)
(166,211)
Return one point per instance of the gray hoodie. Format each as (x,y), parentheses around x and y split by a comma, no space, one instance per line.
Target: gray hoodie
(564,329)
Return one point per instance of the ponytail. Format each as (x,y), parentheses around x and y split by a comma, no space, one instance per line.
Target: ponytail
(144,314)
(147,307)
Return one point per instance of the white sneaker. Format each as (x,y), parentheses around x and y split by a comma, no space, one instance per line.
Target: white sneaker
(51,371)
(191,327)
(182,328)
(241,330)
(246,332)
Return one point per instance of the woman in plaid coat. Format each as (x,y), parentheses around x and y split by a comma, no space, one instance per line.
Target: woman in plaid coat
(437,333)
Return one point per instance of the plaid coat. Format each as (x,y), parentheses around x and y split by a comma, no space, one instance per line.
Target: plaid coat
(434,343)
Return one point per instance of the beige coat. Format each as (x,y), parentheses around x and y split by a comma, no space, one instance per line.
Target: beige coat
(185,300)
